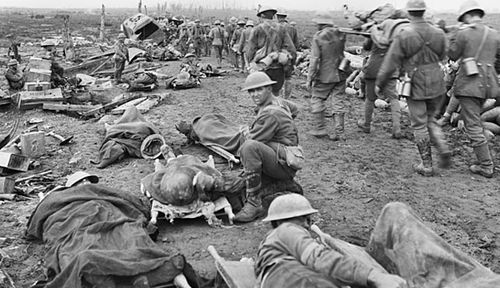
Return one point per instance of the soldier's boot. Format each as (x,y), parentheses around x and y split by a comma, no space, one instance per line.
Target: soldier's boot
(365,123)
(485,163)
(396,118)
(425,166)
(252,209)
(319,123)
(439,141)
(338,127)
(445,119)
(287,89)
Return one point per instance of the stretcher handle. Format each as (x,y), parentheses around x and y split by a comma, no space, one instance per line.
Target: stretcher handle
(215,255)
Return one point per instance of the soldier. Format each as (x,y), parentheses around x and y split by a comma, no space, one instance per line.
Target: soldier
(378,46)
(231,27)
(208,43)
(121,55)
(14,47)
(418,50)
(217,37)
(235,43)
(14,76)
(183,38)
(294,36)
(270,43)
(471,88)
(196,34)
(325,78)
(262,154)
(243,45)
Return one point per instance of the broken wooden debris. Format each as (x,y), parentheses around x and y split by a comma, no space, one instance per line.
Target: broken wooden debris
(109,106)
(38,175)
(33,144)
(9,197)
(7,185)
(57,107)
(14,161)
(35,99)
(120,109)
(236,274)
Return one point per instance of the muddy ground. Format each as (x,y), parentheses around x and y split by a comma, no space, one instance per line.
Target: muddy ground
(348,181)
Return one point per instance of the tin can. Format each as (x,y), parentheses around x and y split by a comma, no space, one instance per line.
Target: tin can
(344,64)
(470,66)
(405,87)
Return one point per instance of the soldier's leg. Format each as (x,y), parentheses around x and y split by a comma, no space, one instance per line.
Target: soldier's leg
(435,132)
(391,93)
(404,245)
(471,113)
(340,102)
(369,105)
(320,93)
(418,119)
(257,159)
(287,85)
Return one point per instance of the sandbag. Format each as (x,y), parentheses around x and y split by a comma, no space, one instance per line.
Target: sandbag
(491,115)
(492,127)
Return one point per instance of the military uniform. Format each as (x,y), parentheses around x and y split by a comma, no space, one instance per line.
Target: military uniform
(290,257)
(471,91)
(261,39)
(121,55)
(15,78)
(235,42)
(370,70)
(243,45)
(327,52)
(196,34)
(292,32)
(418,49)
(217,35)
(262,152)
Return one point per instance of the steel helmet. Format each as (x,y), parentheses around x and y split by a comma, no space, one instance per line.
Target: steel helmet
(266,8)
(151,146)
(322,17)
(197,21)
(233,19)
(250,23)
(217,22)
(256,80)
(281,13)
(121,36)
(468,6)
(289,206)
(241,22)
(12,62)
(222,24)
(79,176)
(415,5)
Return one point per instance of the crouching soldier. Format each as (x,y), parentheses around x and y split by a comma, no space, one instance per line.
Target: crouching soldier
(263,153)
(14,76)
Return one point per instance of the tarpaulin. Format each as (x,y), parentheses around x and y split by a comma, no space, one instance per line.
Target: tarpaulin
(97,238)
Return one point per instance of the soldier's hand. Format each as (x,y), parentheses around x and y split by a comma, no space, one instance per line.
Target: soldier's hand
(384,280)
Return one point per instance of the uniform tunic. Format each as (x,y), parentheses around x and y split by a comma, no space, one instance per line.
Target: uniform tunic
(15,78)
(121,55)
(289,257)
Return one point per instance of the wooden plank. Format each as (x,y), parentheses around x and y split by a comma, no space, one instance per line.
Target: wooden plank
(7,185)
(120,109)
(14,162)
(69,107)
(38,96)
(109,106)
(236,274)
(151,102)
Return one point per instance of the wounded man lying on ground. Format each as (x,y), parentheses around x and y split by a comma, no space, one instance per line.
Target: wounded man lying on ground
(125,137)
(97,238)
(401,243)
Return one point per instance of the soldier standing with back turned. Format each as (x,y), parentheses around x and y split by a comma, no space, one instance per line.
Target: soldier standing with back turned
(474,39)
(418,49)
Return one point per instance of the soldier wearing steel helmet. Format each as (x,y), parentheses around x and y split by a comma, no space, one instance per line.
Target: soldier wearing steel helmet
(267,40)
(476,41)
(235,43)
(218,38)
(262,154)
(325,78)
(121,55)
(14,76)
(418,50)
(243,45)
(290,257)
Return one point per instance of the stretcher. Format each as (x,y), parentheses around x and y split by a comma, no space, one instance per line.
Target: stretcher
(235,274)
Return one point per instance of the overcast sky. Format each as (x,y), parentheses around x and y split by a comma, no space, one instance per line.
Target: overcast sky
(441,5)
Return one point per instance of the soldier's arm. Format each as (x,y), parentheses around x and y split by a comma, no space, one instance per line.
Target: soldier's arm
(314,61)
(299,243)
(252,44)
(455,49)
(497,62)
(263,128)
